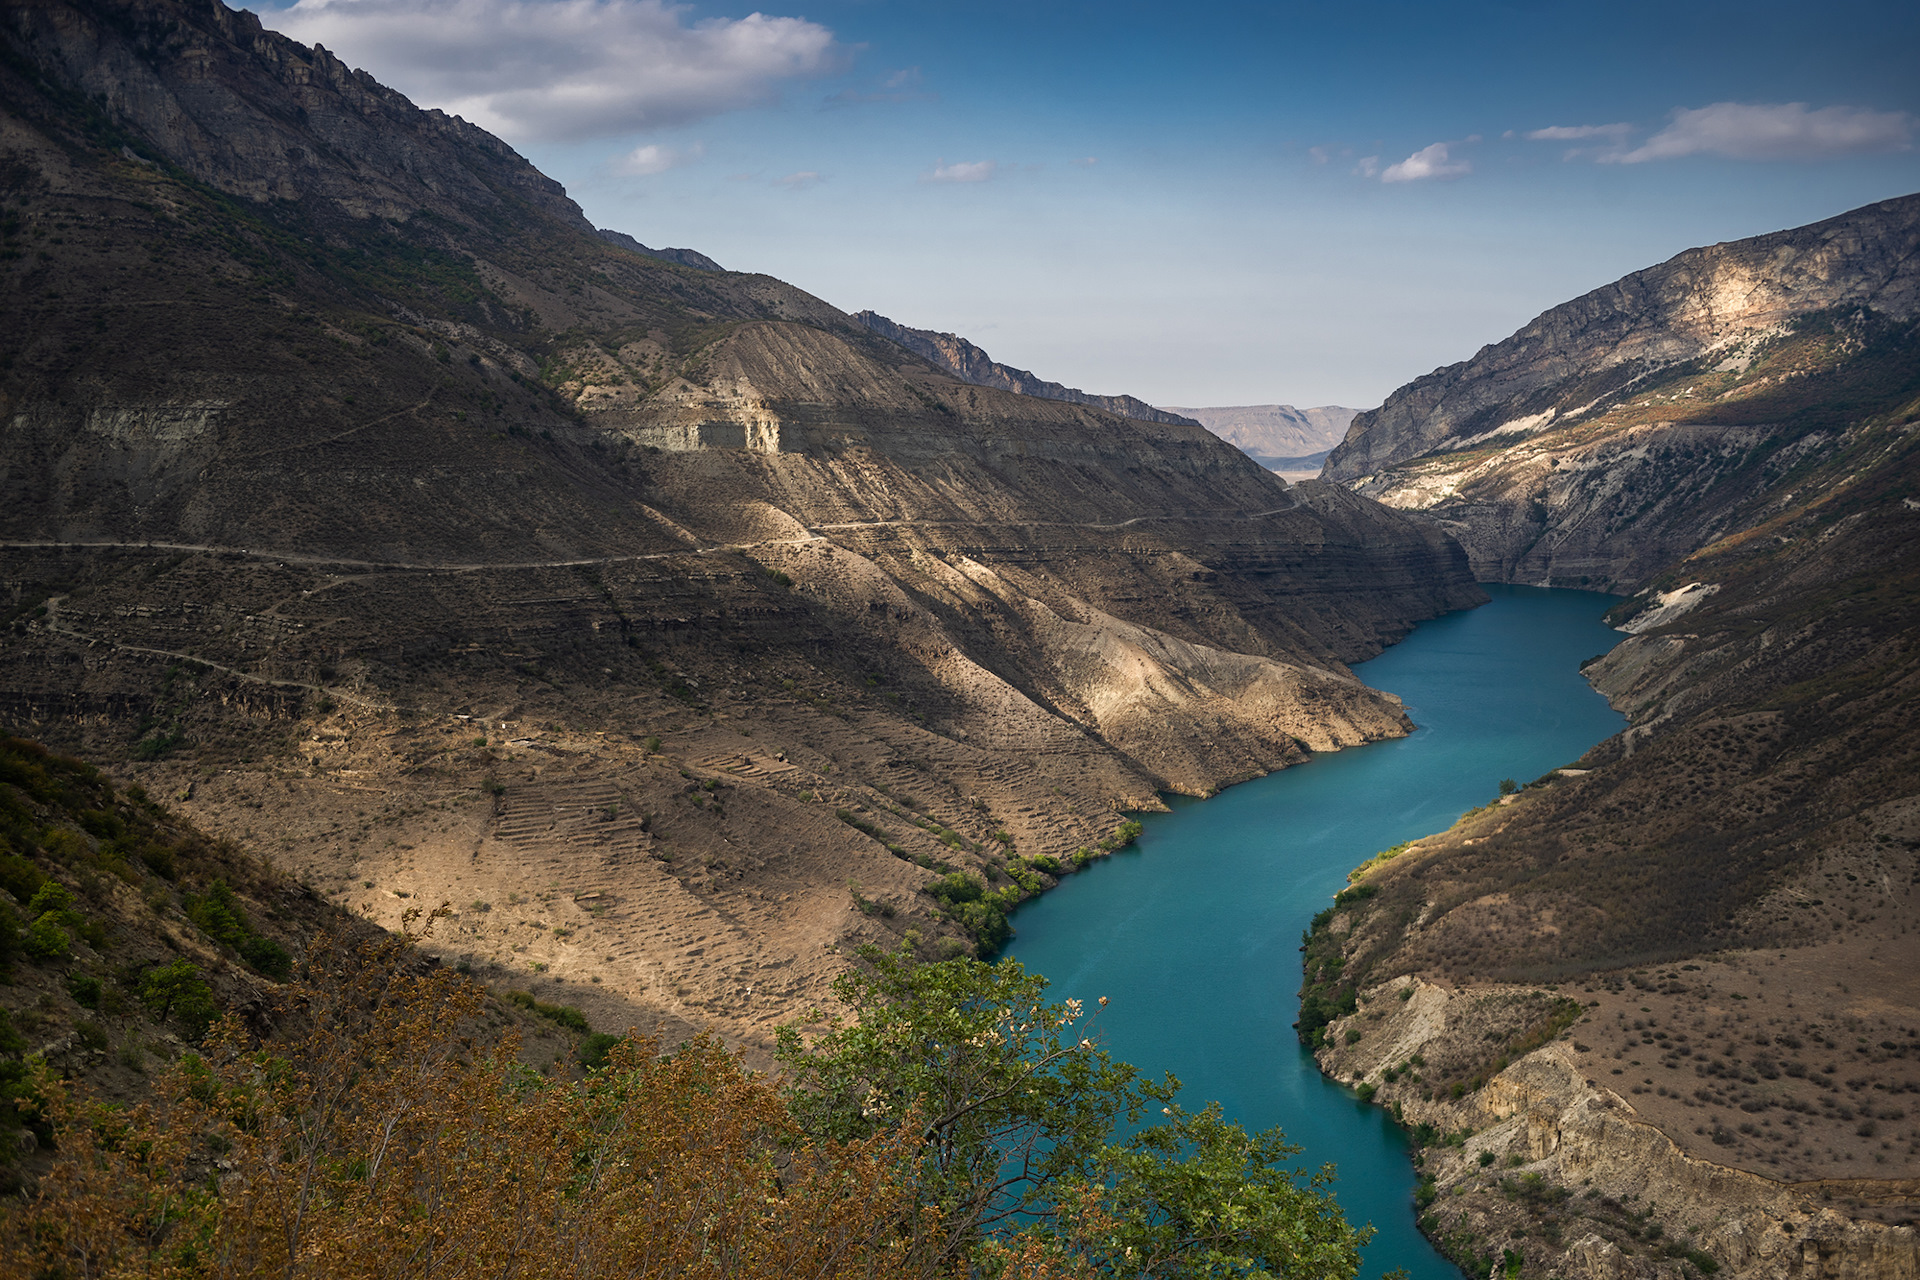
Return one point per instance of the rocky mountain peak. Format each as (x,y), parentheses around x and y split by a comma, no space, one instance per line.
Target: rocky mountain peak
(1584,356)
(257,115)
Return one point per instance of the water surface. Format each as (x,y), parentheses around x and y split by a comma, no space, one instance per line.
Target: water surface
(1195,931)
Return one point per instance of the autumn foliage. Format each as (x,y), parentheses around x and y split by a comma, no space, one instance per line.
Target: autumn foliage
(959,1126)
(385,1137)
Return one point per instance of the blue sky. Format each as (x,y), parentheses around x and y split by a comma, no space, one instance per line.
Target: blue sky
(1199,204)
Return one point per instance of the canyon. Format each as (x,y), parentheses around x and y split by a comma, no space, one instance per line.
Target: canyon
(1727,440)
(371,508)
(368,507)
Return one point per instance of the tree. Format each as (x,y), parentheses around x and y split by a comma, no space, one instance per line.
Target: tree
(383,1137)
(1017,1118)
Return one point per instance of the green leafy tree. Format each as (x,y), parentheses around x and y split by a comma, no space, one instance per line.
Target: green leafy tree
(1019,1116)
(176,990)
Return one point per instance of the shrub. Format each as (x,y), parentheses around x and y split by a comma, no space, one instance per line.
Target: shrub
(563,1014)
(177,990)
(596,1050)
(45,939)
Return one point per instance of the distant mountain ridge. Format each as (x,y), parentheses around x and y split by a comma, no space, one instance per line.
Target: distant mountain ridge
(1277,436)
(685,257)
(969,363)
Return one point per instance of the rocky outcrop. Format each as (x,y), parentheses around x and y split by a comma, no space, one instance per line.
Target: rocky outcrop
(1562,1174)
(1624,431)
(970,364)
(1575,360)
(256,115)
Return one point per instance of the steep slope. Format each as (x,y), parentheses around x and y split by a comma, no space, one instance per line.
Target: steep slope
(1640,422)
(1671,993)
(669,623)
(970,364)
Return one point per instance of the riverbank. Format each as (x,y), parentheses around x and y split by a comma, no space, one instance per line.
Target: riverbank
(1667,1120)
(1193,933)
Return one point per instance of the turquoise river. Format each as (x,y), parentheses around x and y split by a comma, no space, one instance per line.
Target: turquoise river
(1194,932)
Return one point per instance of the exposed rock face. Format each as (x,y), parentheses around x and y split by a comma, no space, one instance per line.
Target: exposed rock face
(1564,1174)
(1734,438)
(1630,427)
(1590,353)
(256,115)
(1278,436)
(970,364)
(584,574)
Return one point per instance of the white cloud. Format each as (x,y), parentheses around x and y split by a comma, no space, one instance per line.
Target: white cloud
(798,181)
(1615,133)
(1368,167)
(567,69)
(1773,131)
(653,158)
(1428,162)
(973,171)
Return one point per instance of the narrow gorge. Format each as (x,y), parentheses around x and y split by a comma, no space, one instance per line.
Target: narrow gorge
(1655,1014)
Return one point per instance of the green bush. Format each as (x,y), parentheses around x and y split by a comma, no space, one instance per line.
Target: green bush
(46,940)
(177,990)
(593,1050)
(564,1014)
(85,990)
(219,914)
(19,877)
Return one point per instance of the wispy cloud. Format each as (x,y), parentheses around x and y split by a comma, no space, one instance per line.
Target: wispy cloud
(1615,133)
(1773,131)
(1367,166)
(651,159)
(567,69)
(1612,138)
(799,181)
(1435,161)
(971,171)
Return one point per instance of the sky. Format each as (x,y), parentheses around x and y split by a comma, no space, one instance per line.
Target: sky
(1197,204)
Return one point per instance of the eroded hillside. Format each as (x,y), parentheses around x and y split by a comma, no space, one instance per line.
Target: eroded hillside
(1655,1014)
(672,626)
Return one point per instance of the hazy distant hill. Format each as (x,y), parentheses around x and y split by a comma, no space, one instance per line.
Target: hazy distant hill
(1277,435)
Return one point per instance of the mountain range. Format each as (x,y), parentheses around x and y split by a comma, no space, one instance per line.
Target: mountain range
(369,509)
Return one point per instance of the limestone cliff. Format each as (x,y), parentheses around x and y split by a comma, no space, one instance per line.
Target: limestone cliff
(1276,435)
(1544,1169)
(1661,1009)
